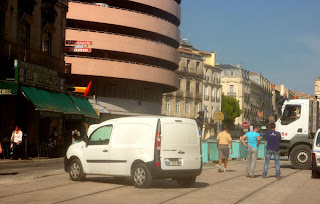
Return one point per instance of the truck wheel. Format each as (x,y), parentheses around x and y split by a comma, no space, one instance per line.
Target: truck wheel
(141,176)
(186,182)
(315,174)
(300,157)
(76,171)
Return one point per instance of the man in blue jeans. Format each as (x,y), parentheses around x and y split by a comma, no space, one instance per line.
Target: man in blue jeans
(252,151)
(273,145)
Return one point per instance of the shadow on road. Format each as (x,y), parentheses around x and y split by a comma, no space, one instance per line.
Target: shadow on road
(162,183)
(286,166)
(5,174)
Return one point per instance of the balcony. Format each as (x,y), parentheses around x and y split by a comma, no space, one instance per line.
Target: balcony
(191,71)
(232,94)
(15,51)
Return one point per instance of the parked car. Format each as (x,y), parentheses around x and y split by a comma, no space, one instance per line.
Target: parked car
(316,156)
(143,148)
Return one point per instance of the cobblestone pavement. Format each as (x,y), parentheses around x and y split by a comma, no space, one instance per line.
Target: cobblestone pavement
(44,181)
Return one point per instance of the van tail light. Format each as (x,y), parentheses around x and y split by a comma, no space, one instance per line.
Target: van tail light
(314,157)
(157,145)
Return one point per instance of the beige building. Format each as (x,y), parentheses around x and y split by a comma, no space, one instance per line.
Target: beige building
(211,99)
(130,53)
(187,100)
(260,98)
(252,90)
(236,83)
(199,87)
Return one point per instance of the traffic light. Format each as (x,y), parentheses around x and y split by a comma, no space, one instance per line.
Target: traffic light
(200,118)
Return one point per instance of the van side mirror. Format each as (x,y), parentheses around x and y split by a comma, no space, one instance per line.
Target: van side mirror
(85,139)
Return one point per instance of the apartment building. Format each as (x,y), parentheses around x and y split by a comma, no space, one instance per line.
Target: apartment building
(128,51)
(187,100)
(236,83)
(211,91)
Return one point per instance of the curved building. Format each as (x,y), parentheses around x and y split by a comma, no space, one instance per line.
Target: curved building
(128,49)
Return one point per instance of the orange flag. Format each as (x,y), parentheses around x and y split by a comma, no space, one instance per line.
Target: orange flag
(87,89)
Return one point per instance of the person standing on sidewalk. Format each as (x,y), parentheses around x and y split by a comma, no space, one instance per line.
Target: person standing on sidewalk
(252,151)
(223,139)
(16,141)
(273,145)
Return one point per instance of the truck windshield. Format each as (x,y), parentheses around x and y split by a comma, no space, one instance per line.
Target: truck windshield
(318,140)
(290,114)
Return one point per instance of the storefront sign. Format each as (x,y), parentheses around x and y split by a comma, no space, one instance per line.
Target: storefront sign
(76,49)
(49,114)
(76,42)
(8,88)
(35,75)
(73,117)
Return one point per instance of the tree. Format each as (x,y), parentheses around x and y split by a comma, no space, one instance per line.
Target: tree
(231,109)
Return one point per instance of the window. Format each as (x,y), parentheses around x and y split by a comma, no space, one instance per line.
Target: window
(101,136)
(205,91)
(187,107)
(213,94)
(188,86)
(178,107)
(23,30)
(290,114)
(168,106)
(2,14)
(231,73)
(179,85)
(231,90)
(206,76)
(218,95)
(197,108)
(218,77)
(46,38)
(197,87)
(213,77)
(188,63)
(197,65)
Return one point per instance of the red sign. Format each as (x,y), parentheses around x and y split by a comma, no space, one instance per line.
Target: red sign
(76,42)
(245,125)
(76,49)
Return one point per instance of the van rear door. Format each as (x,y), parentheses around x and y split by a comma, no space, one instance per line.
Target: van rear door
(180,144)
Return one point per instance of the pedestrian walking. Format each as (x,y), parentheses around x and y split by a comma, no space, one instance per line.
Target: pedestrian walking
(52,138)
(223,139)
(252,151)
(76,136)
(273,145)
(16,142)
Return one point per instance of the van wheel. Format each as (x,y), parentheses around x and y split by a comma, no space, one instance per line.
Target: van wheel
(76,171)
(186,182)
(315,174)
(300,157)
(141,176)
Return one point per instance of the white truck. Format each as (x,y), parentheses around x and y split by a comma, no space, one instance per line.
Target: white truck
(298,123)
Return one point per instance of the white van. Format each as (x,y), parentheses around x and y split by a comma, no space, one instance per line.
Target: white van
(143,148)
(316,156)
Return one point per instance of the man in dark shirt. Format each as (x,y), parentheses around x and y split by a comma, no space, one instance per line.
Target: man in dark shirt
(273,145)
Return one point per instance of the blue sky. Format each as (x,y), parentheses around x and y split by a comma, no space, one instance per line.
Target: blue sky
(279,39)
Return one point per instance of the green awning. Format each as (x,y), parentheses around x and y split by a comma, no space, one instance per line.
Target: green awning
(46,101)
(84,106)
(8,88)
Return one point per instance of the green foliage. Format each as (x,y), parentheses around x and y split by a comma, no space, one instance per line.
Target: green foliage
(231,109)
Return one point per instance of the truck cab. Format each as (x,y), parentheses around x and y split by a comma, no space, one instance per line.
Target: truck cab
(297,124)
